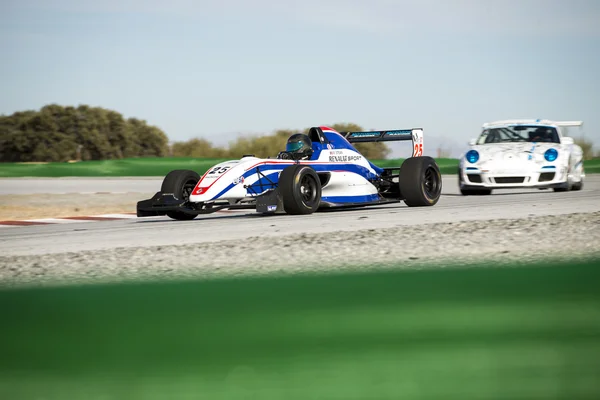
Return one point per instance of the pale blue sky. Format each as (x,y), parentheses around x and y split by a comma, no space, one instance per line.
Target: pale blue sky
(215,68)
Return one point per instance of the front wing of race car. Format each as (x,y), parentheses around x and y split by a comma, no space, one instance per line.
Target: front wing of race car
(162,203)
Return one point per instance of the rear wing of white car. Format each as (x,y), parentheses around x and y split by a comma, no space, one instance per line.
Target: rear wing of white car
(415,135)
(569,123)
(533,121)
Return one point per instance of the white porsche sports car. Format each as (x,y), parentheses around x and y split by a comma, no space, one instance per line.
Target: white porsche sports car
(522,154)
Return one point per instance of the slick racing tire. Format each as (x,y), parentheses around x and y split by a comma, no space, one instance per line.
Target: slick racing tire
(567,187)
(180,182)
(570,186)
(300,189)
(420,181)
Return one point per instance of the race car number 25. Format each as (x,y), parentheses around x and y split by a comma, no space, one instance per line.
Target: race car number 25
(418,152)
(218,170)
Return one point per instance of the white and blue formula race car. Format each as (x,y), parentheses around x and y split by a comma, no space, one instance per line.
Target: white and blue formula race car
(321,169)
(522,154)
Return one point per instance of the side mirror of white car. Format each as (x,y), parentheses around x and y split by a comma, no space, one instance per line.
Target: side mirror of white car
(567,140)
(472,142)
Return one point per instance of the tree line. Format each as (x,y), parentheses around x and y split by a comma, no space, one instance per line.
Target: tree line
(58,133)
(267,145)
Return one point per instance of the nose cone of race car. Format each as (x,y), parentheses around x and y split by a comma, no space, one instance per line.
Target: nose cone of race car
(216,179)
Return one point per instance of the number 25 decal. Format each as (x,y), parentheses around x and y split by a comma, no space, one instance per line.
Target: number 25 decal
(218,170)
(418,150)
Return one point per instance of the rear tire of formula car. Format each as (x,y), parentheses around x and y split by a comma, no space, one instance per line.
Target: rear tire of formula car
(181,183)
(420,181)
(300,189)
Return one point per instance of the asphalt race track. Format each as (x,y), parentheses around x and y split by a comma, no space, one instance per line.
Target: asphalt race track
(239,225)
(20,186)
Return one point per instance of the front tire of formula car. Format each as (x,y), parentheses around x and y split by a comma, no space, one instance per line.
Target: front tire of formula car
(420,181)
(300,189)
(181,183)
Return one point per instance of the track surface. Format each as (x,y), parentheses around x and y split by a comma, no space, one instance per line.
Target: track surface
(452,207)
(79,185)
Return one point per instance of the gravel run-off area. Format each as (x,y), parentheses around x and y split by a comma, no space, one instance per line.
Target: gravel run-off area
(23,207)
(505,241)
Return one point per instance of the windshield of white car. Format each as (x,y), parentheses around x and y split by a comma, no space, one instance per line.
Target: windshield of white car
(519,133)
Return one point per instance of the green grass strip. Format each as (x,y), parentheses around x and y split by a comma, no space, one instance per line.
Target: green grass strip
(108,168)
(511,333)
(162,166)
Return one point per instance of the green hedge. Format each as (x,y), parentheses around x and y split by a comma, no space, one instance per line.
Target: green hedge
(146,167)
(510,333)
(162,166)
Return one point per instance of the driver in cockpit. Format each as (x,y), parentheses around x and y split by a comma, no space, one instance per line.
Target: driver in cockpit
(298,147)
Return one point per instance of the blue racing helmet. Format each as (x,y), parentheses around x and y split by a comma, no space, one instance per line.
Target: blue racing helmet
(299,146)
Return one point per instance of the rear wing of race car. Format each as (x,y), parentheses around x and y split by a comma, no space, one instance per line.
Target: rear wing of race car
(533,121)
(415,135)
(569,123)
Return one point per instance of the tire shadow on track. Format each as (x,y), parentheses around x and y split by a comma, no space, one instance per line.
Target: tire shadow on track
(391,207)
(512,193)
(197,219)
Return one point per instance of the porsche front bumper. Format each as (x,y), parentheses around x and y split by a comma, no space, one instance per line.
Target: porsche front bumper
(545,177)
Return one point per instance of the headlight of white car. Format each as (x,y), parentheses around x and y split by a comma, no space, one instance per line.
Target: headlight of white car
(551,154)
(472,156)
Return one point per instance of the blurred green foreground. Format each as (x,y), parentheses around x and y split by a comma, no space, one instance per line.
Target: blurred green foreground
(513,333)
